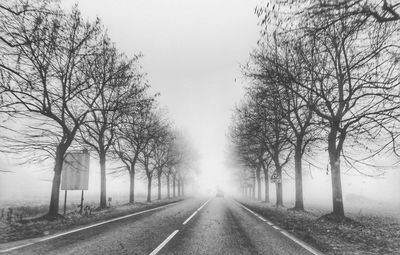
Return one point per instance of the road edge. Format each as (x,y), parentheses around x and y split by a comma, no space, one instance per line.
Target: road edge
(284,232)
(32,241)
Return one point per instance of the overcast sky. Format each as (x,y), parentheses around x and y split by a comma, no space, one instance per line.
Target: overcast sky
(192,53)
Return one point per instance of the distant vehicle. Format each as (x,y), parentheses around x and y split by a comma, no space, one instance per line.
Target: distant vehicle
(220,193)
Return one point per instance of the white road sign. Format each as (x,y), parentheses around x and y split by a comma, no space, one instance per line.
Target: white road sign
(75,173)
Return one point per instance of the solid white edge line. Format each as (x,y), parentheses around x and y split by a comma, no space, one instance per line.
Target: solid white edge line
(191,216)
(156,250)
(16,247)
(301,243)
(83,228)
(283,232)
(255,214)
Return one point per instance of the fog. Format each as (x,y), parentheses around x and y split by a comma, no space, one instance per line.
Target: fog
(192,53)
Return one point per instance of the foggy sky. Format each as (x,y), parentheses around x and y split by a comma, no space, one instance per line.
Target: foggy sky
(192,52)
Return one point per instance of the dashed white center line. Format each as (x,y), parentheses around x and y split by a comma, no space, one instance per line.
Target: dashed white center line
(191,216)
(156,250)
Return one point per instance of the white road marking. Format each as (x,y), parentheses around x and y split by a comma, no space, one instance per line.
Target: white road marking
(255,214)
(191,216)
(83,228)
(301,243)
(156,250)
(17,247)
(283,232)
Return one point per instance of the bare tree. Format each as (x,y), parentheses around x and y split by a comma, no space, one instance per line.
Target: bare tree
(119,81)
(132,137)
(296,110)
(48,78)
(249,149)
(164,155)
(351,66)
(154,134)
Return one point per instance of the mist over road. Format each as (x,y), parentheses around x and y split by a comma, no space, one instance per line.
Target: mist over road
(193,226)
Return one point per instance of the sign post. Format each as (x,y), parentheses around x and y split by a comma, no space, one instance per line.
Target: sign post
(277,179)
(65,201)
(75,174)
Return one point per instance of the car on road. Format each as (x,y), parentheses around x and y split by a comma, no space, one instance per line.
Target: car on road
(219,193)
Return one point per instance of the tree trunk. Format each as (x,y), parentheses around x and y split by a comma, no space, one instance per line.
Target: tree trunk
(55,189)
(299,205)
(279,199)
(159,185)
(132,186)
(168,191)
(179,187)
(334,160)
(103,194)
(183,187)
(266,179)
(253,191)
(173,186)
(337,198)
(258,177)
(149,188)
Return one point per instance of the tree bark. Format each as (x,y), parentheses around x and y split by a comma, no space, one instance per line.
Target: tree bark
(55,188)
(279,196)
(132,186)
(258,177)
(159,184)
(334,160)
(173,186)
(183,187)
(168,187)
(179,187)
(253,191)
(103,194)
(266,179)
(149,188)
(299,204)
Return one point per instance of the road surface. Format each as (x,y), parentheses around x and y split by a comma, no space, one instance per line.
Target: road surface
(193,226)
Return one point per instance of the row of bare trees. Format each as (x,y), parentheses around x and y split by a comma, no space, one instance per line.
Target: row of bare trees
(324,75)
(64,85)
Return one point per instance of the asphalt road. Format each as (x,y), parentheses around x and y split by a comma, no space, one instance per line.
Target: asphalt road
(193,226)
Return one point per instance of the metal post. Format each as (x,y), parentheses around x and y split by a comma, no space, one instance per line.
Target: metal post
(65,201)
(80,211)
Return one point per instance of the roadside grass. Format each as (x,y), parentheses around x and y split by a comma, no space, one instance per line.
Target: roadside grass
(32,227)
(361,234)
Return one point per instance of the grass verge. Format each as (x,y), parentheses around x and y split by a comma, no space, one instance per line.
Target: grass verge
(362,234)
(15,231)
